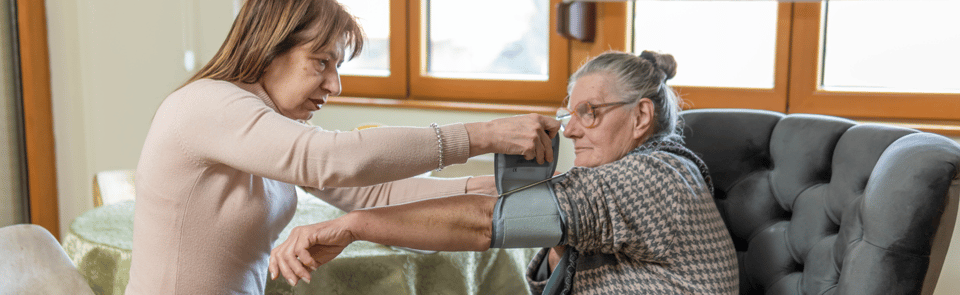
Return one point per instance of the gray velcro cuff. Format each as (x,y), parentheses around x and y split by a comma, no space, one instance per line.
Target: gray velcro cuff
(527,219)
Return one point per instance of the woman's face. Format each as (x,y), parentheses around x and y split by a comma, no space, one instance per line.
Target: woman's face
(615,133)
(300,80)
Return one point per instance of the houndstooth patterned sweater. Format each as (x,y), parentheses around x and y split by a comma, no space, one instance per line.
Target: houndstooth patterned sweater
(645,224)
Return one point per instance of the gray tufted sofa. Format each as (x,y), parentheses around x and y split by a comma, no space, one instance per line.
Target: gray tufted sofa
(823,205)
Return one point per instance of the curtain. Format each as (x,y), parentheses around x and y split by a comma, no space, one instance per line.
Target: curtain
(12,188)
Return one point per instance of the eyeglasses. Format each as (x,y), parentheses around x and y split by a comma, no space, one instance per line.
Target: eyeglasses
(586,112)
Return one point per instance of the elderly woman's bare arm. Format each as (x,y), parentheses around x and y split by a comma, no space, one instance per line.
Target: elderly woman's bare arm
(457,223)
(403,191)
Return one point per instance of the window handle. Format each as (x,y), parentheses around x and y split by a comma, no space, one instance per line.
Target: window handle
(577,20)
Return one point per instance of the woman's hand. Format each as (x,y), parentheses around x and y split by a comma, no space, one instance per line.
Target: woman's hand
(527,135)
(307,248)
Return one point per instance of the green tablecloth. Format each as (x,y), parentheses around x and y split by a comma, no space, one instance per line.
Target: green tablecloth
(99,243)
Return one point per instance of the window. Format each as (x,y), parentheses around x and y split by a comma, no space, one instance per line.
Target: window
(375,59)
(513,47)
(839,77)
(381,69)
(914,52)
(729,53)
(857,61)
(721,43)
(892,61)
(461,51)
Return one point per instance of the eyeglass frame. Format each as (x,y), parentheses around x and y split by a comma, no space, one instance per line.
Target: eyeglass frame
(592,110)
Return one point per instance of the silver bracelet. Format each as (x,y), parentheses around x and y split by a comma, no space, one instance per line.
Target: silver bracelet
(439,144)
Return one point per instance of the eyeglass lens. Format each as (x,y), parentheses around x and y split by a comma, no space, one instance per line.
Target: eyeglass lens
(563,115)
(585,113)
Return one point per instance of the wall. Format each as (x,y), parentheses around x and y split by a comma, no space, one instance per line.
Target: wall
(112,62)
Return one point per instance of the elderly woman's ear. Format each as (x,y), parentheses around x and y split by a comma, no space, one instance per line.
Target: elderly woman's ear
(645,121)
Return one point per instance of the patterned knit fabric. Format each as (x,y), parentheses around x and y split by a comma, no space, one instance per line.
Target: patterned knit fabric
(645,224)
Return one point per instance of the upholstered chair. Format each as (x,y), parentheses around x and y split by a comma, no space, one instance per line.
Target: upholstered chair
(824,205)
(34,263)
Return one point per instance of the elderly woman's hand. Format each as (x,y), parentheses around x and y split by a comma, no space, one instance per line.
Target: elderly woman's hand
(307,248)
(528,135)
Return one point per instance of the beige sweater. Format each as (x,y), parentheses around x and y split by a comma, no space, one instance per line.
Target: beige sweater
(215,183)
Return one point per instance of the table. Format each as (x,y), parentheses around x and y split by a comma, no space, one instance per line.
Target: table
(99,244)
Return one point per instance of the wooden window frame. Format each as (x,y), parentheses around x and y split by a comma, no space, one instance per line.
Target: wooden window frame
(612,30)
(773,99)
(796,76)
(698,97)
(543,93)
(409,80)
(395,85)
(38,115)
(806,95)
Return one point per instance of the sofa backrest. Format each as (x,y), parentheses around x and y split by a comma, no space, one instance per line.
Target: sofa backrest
(823,205)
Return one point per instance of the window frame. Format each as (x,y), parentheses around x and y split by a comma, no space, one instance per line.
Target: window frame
(425,87)
(409,81)
(31,26)
(807,95)
(797,86)
(772,99)
(796,81)
(395,85)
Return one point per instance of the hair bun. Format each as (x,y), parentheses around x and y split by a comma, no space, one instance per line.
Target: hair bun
(663,62)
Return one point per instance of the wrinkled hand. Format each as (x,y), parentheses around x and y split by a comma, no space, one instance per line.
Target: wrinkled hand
(528,135)
(307,248)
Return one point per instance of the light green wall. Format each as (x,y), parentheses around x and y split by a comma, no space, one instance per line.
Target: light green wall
(112,62)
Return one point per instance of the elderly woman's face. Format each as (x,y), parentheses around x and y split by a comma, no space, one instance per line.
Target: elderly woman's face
(300,80)
(614,134)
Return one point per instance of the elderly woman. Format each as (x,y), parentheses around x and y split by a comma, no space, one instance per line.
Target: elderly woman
(638,206)
(215,181)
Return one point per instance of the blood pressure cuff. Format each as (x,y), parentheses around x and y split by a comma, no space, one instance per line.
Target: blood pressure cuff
(530,217)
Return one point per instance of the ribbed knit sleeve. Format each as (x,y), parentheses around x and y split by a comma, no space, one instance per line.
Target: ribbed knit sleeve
(220,123)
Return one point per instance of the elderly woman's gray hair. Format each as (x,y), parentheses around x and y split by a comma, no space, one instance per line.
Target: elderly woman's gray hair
(638,77)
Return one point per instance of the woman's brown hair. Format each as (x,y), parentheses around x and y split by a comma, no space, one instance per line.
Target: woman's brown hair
(265,29)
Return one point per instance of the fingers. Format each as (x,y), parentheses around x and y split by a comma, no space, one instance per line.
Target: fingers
(545,145)
(527,135)
(307,260)
(273,267)
(287,273)
(296,267)
(546,148)
(551,125)
(295,261)
(291,260)
(544,129)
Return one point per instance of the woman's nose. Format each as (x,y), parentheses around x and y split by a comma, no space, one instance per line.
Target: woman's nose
(570,129)
(332,83)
